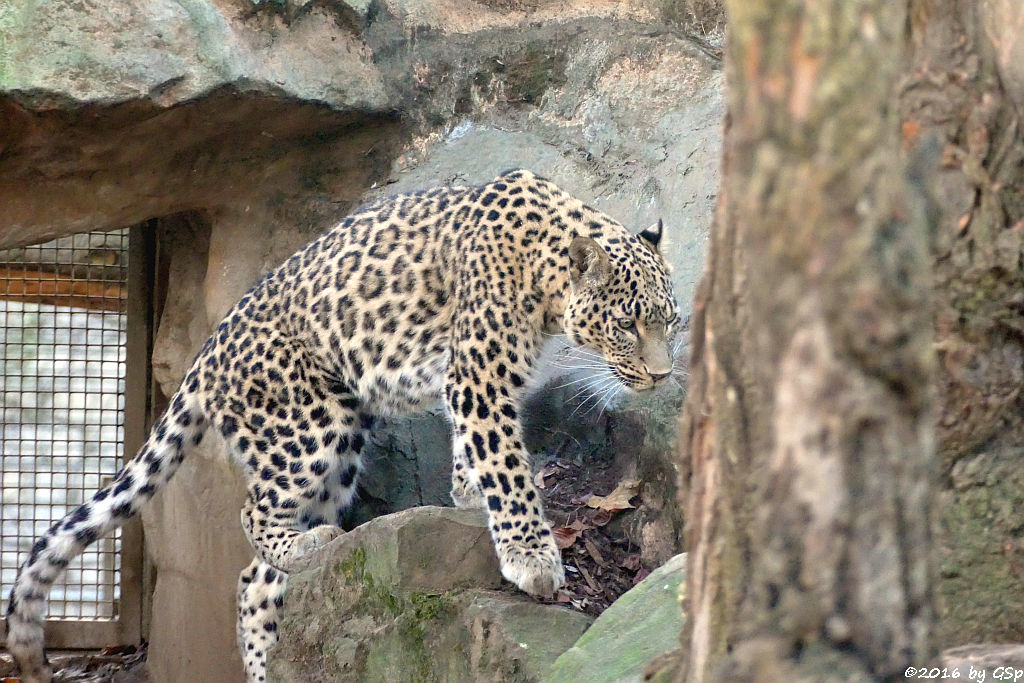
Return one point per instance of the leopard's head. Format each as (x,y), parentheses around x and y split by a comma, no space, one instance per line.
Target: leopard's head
(621,306)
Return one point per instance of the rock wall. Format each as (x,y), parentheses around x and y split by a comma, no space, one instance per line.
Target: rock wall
(246,129)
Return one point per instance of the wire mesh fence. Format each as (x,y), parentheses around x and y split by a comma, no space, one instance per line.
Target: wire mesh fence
(63,330)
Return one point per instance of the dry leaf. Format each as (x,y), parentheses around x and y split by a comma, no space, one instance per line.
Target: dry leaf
(562,596)
(580,499)
(580,524)
(962,223)
(592,549)
(631,562)
(617,499)
(589,579)
(546,471)
(911,129)
(602,517)
(564,536)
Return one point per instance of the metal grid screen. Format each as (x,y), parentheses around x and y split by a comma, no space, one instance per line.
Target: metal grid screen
(63,327)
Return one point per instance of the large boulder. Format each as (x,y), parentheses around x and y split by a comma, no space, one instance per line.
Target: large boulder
(412,596)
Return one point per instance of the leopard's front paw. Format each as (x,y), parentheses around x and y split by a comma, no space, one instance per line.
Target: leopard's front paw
(465,494)
(536,570)
(468,497)
(308,542)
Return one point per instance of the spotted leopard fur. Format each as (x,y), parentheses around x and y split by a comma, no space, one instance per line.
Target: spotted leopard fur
(442,295)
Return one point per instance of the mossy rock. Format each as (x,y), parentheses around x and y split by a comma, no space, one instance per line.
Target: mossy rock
(644,623)
(406,598)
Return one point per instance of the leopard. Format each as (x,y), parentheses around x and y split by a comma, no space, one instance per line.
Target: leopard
(444,296)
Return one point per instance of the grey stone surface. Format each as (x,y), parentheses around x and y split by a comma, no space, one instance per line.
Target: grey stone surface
(407,597)
(408,463)
(642,624)
(171,51)
(424,548)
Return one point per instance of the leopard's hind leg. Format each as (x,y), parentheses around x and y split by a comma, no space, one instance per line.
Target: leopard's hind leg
(300,445)
(260,597)
(302,472)
(261,586)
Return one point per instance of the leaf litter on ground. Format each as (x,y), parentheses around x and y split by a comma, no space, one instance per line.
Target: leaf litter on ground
(600,559)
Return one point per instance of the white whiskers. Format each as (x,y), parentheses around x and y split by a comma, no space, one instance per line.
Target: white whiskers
(600,388)
(595,388)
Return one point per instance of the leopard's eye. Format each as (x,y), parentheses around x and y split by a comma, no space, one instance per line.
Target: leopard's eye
(627,324)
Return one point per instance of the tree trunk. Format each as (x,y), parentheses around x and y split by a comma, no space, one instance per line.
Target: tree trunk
(965,88)
(807,435)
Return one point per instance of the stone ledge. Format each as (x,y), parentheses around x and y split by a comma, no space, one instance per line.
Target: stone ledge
(408,596)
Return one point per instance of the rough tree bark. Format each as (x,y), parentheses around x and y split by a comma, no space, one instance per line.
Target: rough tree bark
(808,429)
(965,88)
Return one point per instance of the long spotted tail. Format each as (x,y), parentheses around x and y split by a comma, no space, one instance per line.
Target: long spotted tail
(179,429)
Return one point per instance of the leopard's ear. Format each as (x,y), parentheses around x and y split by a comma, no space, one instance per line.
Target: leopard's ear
(652,235)
(588,262)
